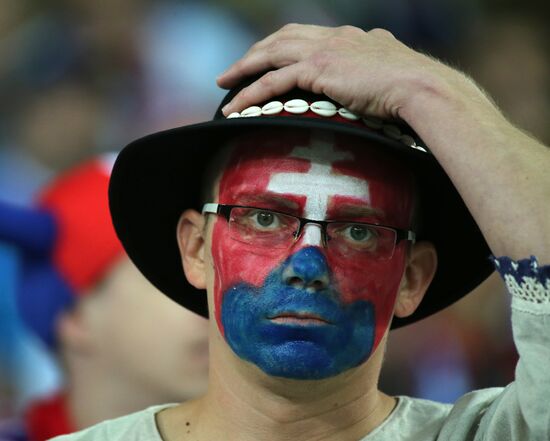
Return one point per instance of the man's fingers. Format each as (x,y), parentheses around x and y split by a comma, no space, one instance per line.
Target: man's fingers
(293,32)
(278,54)
(273,83)
(296,32)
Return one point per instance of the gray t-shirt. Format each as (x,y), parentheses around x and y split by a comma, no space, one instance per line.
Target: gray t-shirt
(519,412)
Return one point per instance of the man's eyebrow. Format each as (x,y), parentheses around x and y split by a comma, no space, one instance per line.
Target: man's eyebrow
(356,211)
(268,200)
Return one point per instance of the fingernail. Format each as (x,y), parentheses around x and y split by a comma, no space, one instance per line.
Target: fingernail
(224,109)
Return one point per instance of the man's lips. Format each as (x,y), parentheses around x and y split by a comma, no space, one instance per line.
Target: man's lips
(299,318)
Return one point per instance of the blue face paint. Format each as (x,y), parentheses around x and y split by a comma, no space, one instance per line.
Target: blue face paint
(302,285)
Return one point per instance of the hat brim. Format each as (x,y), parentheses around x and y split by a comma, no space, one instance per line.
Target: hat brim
(157,177)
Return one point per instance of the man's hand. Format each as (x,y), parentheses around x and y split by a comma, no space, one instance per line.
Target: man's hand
(367,72)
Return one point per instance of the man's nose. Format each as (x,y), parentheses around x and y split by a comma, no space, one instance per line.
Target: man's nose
(307,269)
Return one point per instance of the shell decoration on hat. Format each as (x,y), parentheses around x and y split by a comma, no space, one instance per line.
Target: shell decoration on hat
(328,109)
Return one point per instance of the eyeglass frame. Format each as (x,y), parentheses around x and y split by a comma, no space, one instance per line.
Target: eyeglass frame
(225,211)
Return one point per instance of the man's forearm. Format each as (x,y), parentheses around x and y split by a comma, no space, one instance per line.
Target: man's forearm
(502,174)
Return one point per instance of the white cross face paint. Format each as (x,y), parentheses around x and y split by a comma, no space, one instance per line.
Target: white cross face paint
(319,184)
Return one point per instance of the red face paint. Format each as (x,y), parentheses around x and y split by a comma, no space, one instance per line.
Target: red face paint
(276,171)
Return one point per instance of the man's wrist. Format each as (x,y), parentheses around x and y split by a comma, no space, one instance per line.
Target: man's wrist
(440,89)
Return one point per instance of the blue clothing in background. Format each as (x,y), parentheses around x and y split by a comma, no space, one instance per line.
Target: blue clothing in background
(25,366)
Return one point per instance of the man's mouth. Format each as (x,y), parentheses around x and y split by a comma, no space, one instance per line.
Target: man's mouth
(299,318)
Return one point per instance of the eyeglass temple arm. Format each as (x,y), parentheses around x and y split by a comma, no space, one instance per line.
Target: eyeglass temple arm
(406,235)
(211,208)
(221,209)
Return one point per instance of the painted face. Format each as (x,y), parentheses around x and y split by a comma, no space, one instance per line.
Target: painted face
(307,310)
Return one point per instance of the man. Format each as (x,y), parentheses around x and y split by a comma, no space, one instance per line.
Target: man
(87,302)
(323,225)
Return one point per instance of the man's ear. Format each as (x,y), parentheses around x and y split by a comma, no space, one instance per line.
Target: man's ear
(191,245)
(419,272)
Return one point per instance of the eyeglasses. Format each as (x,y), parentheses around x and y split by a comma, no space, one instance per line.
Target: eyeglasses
(272,229)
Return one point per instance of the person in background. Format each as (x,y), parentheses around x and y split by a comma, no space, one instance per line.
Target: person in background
(84,298)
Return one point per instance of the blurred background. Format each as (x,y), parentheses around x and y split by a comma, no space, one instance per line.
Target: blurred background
(80,77)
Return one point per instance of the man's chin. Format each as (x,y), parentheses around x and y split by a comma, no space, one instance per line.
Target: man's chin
(298,360)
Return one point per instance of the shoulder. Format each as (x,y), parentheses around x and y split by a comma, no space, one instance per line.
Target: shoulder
(415,418)
(138,426)
(412,419)
(467,416)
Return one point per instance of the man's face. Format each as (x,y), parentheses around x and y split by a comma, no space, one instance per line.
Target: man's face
(306,309)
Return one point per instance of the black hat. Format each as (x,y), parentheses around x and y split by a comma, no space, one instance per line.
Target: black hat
(157,177)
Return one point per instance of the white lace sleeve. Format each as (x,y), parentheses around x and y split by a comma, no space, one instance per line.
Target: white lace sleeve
(527,282)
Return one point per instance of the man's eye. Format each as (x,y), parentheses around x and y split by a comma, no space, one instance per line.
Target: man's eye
(360,233)
(265,219)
